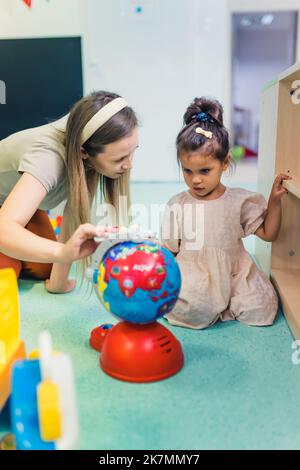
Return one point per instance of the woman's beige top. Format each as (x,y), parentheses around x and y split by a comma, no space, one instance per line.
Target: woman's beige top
(39,151)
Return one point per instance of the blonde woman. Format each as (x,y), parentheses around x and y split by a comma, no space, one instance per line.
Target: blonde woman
(65,160)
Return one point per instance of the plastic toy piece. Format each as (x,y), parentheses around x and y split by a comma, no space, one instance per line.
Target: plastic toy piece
(49,411)
(11,346)
(98,336)
(133,233)
(43,405)
(24,408)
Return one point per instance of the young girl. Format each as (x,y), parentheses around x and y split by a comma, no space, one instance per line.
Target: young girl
(41,167)
(219,278)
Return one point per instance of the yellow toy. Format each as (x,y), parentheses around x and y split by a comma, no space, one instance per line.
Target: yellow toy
(43,402)
(41,389)
(12,347)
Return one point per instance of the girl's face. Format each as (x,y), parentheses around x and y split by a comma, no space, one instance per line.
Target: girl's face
(116,158)
(202,174)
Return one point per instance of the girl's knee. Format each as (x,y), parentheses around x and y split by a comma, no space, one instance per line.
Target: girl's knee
(257,318)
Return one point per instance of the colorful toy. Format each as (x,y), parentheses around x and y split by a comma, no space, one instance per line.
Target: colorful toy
(11,346)
(43,405)
(138,282)
(56,222)
(41,390)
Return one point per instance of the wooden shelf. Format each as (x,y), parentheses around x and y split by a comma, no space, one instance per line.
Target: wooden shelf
(287,282)
(291,73)
(292,188)
(279,152)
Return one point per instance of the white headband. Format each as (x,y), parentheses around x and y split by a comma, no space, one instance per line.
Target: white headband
(101,117)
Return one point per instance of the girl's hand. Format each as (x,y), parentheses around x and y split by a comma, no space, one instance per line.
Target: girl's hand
(68,286)
(277,189)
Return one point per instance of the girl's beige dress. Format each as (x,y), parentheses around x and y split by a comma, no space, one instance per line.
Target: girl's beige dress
(219,278)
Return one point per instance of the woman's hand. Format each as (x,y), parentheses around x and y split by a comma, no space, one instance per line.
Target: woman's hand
(81,244)
(277,189)
(63,288)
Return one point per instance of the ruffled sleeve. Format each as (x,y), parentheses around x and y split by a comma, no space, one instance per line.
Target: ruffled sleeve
(253,213)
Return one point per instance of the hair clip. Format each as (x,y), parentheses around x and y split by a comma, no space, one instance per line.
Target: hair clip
(207,134)
(204,117)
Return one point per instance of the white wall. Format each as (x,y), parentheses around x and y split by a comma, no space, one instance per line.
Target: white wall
(44,19)
(159,61)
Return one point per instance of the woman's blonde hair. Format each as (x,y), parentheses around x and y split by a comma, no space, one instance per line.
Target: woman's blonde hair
(83,179)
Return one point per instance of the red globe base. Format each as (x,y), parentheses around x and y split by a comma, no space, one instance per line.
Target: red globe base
(98,336)
(141,353)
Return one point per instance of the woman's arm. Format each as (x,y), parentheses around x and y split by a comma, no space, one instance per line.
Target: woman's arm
(59,282)
(269,230)
(19,243)
(17,210)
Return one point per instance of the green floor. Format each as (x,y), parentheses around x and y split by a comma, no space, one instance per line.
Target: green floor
(239,388)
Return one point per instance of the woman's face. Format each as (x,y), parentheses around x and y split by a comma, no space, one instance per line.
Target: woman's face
(117,156)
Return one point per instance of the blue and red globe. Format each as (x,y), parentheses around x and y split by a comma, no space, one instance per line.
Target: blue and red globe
(138,282)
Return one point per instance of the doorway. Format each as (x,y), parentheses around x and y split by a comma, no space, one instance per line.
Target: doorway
(263,45)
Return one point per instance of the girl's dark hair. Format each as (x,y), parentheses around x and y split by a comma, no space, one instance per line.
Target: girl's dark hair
(188,140)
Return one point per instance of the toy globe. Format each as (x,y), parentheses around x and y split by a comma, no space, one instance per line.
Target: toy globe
(139,282)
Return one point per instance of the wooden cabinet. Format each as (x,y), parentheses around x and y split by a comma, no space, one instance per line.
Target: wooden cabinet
(279,152)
